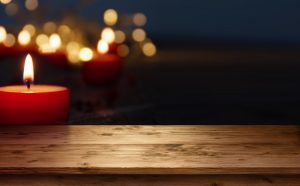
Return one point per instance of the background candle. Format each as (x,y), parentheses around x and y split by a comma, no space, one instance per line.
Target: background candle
(56,58)
(102,70)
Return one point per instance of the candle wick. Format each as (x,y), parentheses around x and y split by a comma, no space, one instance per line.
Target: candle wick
(28,84)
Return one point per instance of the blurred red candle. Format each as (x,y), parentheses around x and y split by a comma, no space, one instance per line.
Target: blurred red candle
(33,104)
(56,58)
(104,68)
(51,52)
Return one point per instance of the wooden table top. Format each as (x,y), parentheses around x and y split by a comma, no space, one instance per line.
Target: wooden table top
(216,149)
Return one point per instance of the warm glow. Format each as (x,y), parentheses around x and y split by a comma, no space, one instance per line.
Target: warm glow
(30,28)
(139,35)
(64,31)
(139,19)
(102,47)
(86,54)
(24,37)
(55,41)
(123,50)
(31,4)
(110,17)
(3,34)
(46,48)
(119,36)
(49,27)
(41,39)
(108,35)
(28,74)
(149,49)
(73,49)
(10,40)
(5,1)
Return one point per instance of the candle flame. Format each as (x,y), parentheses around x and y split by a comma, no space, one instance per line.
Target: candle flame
(3,34)
(28,74)
(102,47)
(55,41)
(108,35)
(24,37)
(86,54)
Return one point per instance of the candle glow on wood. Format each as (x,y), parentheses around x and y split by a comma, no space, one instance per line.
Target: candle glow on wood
(28,74)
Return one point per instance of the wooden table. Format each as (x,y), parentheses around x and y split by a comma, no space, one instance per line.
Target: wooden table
(150,155)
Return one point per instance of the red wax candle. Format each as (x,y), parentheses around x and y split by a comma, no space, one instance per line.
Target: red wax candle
(38,104)
(26,49)
(56,58)
(112,48)
(41,104)
(7,51)
(102,70)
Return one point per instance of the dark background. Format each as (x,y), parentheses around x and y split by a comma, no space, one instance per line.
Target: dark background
(219,62)
(231,20)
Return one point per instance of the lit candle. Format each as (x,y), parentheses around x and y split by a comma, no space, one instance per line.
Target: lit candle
(50,51)
(33,104)
(108,35)
(24,43)
(104,68)
(7,44)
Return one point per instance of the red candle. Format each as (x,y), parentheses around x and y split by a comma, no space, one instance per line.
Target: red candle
(34,104)
(56,58)
(104,69)
(7,51)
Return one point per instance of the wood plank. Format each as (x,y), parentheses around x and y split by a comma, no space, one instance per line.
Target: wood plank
(122,134)
(150,150)
(147,180)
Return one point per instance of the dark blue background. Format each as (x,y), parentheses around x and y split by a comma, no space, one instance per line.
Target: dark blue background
(244,20)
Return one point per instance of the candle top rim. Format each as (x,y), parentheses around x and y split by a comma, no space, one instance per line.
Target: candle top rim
(33,89)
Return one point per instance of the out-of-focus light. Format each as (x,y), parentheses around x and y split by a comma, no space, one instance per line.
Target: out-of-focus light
(30,28)
(149,49)
(24,37)
(31,4)
(41,39)
(108,35)
(46,48)
(102,47)
(49,27)
(10,40)
(64,29)
(139,35)
(119,36)
(73,49)
(3,34)
(55,41)
(5,1)
(73,46)
(86,54)
(11,9)
(139,19)
(110,17)
(123,50)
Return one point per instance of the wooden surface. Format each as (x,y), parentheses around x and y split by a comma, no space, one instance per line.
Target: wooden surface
(162,150)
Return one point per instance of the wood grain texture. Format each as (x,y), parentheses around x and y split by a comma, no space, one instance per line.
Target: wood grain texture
(150,149)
